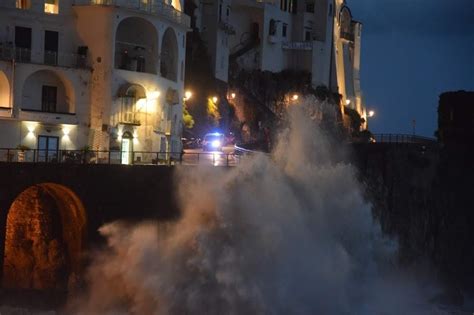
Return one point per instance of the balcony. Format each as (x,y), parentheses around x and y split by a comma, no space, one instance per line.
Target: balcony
(347,36)
(47,117)
(52,58)
(297,45)
(155,7)
(5,112)
(129,118)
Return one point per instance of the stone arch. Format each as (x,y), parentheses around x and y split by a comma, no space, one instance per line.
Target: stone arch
(45,238)
(31,94)
(136,45)
(169,55)
(4,90)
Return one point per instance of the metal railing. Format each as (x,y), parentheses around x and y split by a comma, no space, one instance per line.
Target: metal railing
(53,58)
(402,138)
(156,7)
(132,118)
(118,157)
(297,45)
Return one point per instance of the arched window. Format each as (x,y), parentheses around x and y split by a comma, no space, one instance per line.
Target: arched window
(169,56)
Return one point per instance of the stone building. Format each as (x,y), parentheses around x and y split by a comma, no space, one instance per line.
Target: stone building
(316,36)
(99,74)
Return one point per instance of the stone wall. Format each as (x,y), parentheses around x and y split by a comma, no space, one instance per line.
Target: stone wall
(422,196)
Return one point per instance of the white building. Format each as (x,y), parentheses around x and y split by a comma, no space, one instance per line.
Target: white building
(317,36)
(104,74)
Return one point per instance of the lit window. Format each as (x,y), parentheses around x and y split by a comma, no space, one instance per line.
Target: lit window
(23,4)
(51,6)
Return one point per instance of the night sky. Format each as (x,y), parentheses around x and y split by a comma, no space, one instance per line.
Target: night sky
(413,50)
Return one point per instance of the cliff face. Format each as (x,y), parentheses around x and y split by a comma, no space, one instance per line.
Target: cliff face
(424,196)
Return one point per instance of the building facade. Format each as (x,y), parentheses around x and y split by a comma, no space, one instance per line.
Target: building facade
(96,74)
(316,36)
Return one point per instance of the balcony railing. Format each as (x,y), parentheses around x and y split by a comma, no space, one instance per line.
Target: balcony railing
(53,58)
(156,7)
(48,117)
(297,45)
(130,118)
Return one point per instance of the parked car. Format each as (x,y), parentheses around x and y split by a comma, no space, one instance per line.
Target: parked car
(191,143)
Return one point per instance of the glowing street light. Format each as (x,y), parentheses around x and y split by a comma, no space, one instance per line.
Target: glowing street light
(188,95)
(232,96)
(295,97)
(348,102)
(214,99)
(371,113)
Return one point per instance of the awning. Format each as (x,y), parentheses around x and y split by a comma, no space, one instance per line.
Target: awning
(132,90)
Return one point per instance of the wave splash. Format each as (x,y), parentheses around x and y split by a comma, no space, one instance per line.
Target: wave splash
(286,233)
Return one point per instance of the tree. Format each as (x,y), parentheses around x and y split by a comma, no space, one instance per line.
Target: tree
(213,112)
(188,119)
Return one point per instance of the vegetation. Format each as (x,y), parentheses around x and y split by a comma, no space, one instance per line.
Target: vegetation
(23,147)
(188,119)
(213,112)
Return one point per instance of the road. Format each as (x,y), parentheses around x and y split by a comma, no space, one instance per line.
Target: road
(216,158)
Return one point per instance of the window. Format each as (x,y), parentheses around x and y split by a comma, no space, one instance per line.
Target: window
(292,6)
(23,4)
(228,11)
(51,40)
(48,148)
(51,6)
(307,36)
(49,98)
(272,28)
(220,11)
(23,43)
(310,7)
(283,30)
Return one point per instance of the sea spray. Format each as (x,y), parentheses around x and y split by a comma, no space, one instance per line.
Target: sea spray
(286,233)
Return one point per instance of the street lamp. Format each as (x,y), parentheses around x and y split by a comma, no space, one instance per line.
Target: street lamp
(232,95)
(371,113)
(214,99)
(295,97)
(188,95)
(348,102)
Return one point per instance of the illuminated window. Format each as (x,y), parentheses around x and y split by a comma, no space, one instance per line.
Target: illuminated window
(23,4)
(51,6)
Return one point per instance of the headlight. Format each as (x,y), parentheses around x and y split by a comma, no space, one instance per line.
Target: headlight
(215,143)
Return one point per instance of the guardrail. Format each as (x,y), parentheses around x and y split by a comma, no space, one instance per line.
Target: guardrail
(215,158)
(402,138)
